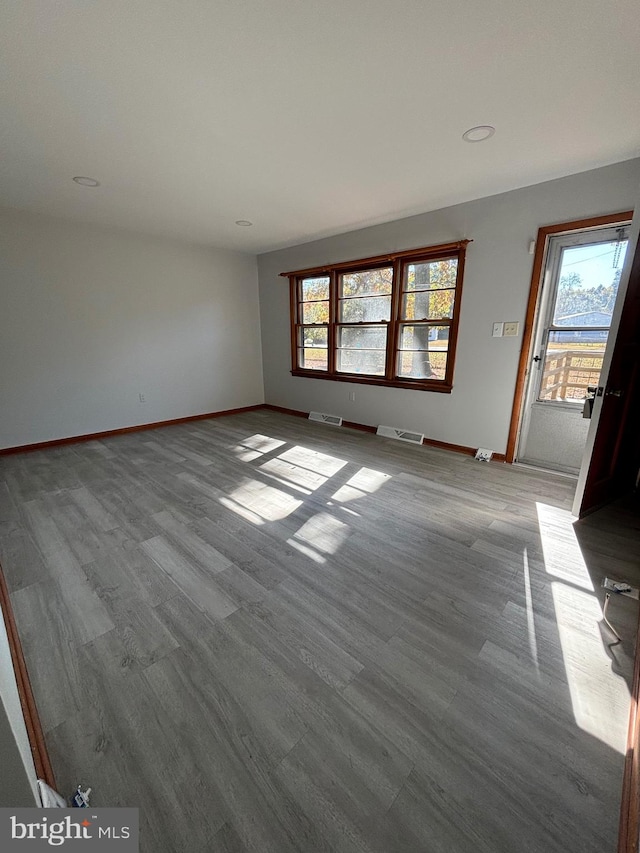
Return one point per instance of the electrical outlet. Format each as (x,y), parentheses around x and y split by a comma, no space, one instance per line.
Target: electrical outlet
(620,588)
(511,329)
(498,330)
(352,396)
(141,397)
(483,454)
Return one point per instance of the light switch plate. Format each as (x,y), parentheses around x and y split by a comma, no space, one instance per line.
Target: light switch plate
(498,330)
(511,329)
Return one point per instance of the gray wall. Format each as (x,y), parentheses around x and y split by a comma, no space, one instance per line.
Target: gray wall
(496,287)
(91,317)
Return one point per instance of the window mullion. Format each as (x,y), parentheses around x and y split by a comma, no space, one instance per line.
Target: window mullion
(393,327)
(295,319)
(332,338)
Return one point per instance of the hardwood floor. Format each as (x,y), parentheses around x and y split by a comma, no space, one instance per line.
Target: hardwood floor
(281,637)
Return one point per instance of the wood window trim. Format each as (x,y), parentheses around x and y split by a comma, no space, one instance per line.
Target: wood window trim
(542,244)
(398,261)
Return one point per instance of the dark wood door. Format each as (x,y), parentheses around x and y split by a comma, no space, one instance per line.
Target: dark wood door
(613,470)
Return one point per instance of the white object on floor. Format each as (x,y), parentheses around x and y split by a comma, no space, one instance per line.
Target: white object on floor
(49,798)
(80,799)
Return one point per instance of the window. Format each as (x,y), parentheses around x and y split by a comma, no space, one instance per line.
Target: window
(390,320)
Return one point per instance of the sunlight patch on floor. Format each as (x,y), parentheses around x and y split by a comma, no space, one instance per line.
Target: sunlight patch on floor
(562,555)
(303,469)
(293,475)
(255,446)
(307,551)
(242,511)
(599,697)
(365,481)
(321,463)
(345,509)
(323,533)
(265,501)
(531,625)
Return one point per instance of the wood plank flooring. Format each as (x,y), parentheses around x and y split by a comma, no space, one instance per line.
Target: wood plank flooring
(275,636)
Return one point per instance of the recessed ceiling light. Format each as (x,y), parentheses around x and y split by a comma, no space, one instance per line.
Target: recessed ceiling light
(86,182)
(479,133)
(244,222)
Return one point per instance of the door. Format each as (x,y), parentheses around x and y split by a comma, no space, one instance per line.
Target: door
(580,285)
(614,465)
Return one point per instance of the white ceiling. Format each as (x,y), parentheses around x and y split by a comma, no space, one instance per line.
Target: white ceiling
(308,117)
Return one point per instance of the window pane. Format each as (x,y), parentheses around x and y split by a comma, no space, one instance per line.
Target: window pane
(313,359)
(431,275)
(424,337)
(315,288)
(423,351)
(365,310)
(369,361)
(427,304)
(315,312)
(422,365)
(362,350)
(573,361)
(366,282)
(369,337)
(588,284)
(313,336)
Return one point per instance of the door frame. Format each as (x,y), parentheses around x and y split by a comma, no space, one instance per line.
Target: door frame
(539,260)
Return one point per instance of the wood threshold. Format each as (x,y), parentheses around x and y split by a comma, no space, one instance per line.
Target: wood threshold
(629,827)
(431,442)
(37,743)
(56,442)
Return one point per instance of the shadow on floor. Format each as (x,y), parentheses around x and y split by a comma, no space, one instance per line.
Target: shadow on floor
(610,543)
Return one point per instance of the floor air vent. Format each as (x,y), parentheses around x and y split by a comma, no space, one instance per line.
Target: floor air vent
(400,434)
(321,418)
